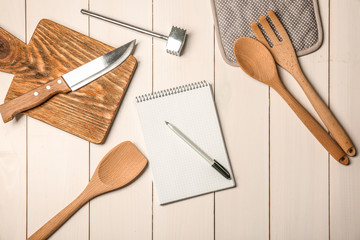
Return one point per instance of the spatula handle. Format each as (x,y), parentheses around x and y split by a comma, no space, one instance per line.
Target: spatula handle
(58,220)
(33,98)
(315,128)
(325,114)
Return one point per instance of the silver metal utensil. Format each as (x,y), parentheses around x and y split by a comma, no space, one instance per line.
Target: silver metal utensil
(175,40)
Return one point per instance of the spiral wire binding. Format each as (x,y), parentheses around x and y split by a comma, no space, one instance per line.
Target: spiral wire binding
(171,91)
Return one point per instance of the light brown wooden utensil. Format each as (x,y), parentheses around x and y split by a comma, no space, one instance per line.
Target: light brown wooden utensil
(256,60)
(284,54)
(118,168)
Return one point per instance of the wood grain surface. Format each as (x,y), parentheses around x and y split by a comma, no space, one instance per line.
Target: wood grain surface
(344,101)
(298,188)
(12,144)
(192,218)
(132,206)
(53,51)
(288,187)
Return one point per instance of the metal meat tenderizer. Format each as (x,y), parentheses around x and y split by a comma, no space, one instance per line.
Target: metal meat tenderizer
(175,40)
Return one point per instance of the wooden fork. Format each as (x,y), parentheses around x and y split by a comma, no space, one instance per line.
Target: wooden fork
(284,54)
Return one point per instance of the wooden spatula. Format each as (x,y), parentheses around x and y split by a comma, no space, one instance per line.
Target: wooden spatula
(284,54)
(256,60)
(118,168)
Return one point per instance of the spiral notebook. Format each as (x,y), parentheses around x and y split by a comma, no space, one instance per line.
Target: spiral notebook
(178,171)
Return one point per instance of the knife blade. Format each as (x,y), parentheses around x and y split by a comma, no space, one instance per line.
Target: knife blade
(68,82)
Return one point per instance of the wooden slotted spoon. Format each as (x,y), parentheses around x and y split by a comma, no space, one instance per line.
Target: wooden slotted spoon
(284,54)
(118,168)
(256,60)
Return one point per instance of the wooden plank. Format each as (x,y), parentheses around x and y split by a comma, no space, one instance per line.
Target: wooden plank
(58,162)
(344,102)
(243,107)
(192,218)
(298,163)
(196,62)
(125,213)
(12,143)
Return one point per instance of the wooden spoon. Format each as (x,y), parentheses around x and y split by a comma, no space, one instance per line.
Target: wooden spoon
(118,168)
(284,55)
(256,60)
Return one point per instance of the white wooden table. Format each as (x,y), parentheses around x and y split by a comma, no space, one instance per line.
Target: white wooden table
(287,185)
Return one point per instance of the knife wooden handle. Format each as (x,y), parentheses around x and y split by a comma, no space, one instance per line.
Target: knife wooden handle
(33,98)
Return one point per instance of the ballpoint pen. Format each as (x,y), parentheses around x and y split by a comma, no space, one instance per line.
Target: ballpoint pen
(211,161)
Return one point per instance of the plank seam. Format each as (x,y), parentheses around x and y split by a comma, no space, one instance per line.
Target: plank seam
(152,90)
(269,107)
(26,149)
(214,210)
(329,213)
(27,177)
(89,176)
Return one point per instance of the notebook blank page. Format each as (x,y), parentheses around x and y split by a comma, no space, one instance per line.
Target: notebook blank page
(178,171)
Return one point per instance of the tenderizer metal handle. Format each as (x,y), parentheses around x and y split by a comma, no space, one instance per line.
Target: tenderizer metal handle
(92,14)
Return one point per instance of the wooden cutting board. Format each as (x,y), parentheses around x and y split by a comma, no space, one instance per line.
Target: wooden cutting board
(53,51)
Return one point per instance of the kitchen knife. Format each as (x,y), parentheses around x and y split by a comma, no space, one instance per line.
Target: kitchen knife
(68,82)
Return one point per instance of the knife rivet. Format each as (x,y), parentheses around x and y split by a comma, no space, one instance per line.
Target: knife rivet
(47,87)
(36,93)
(59,81)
